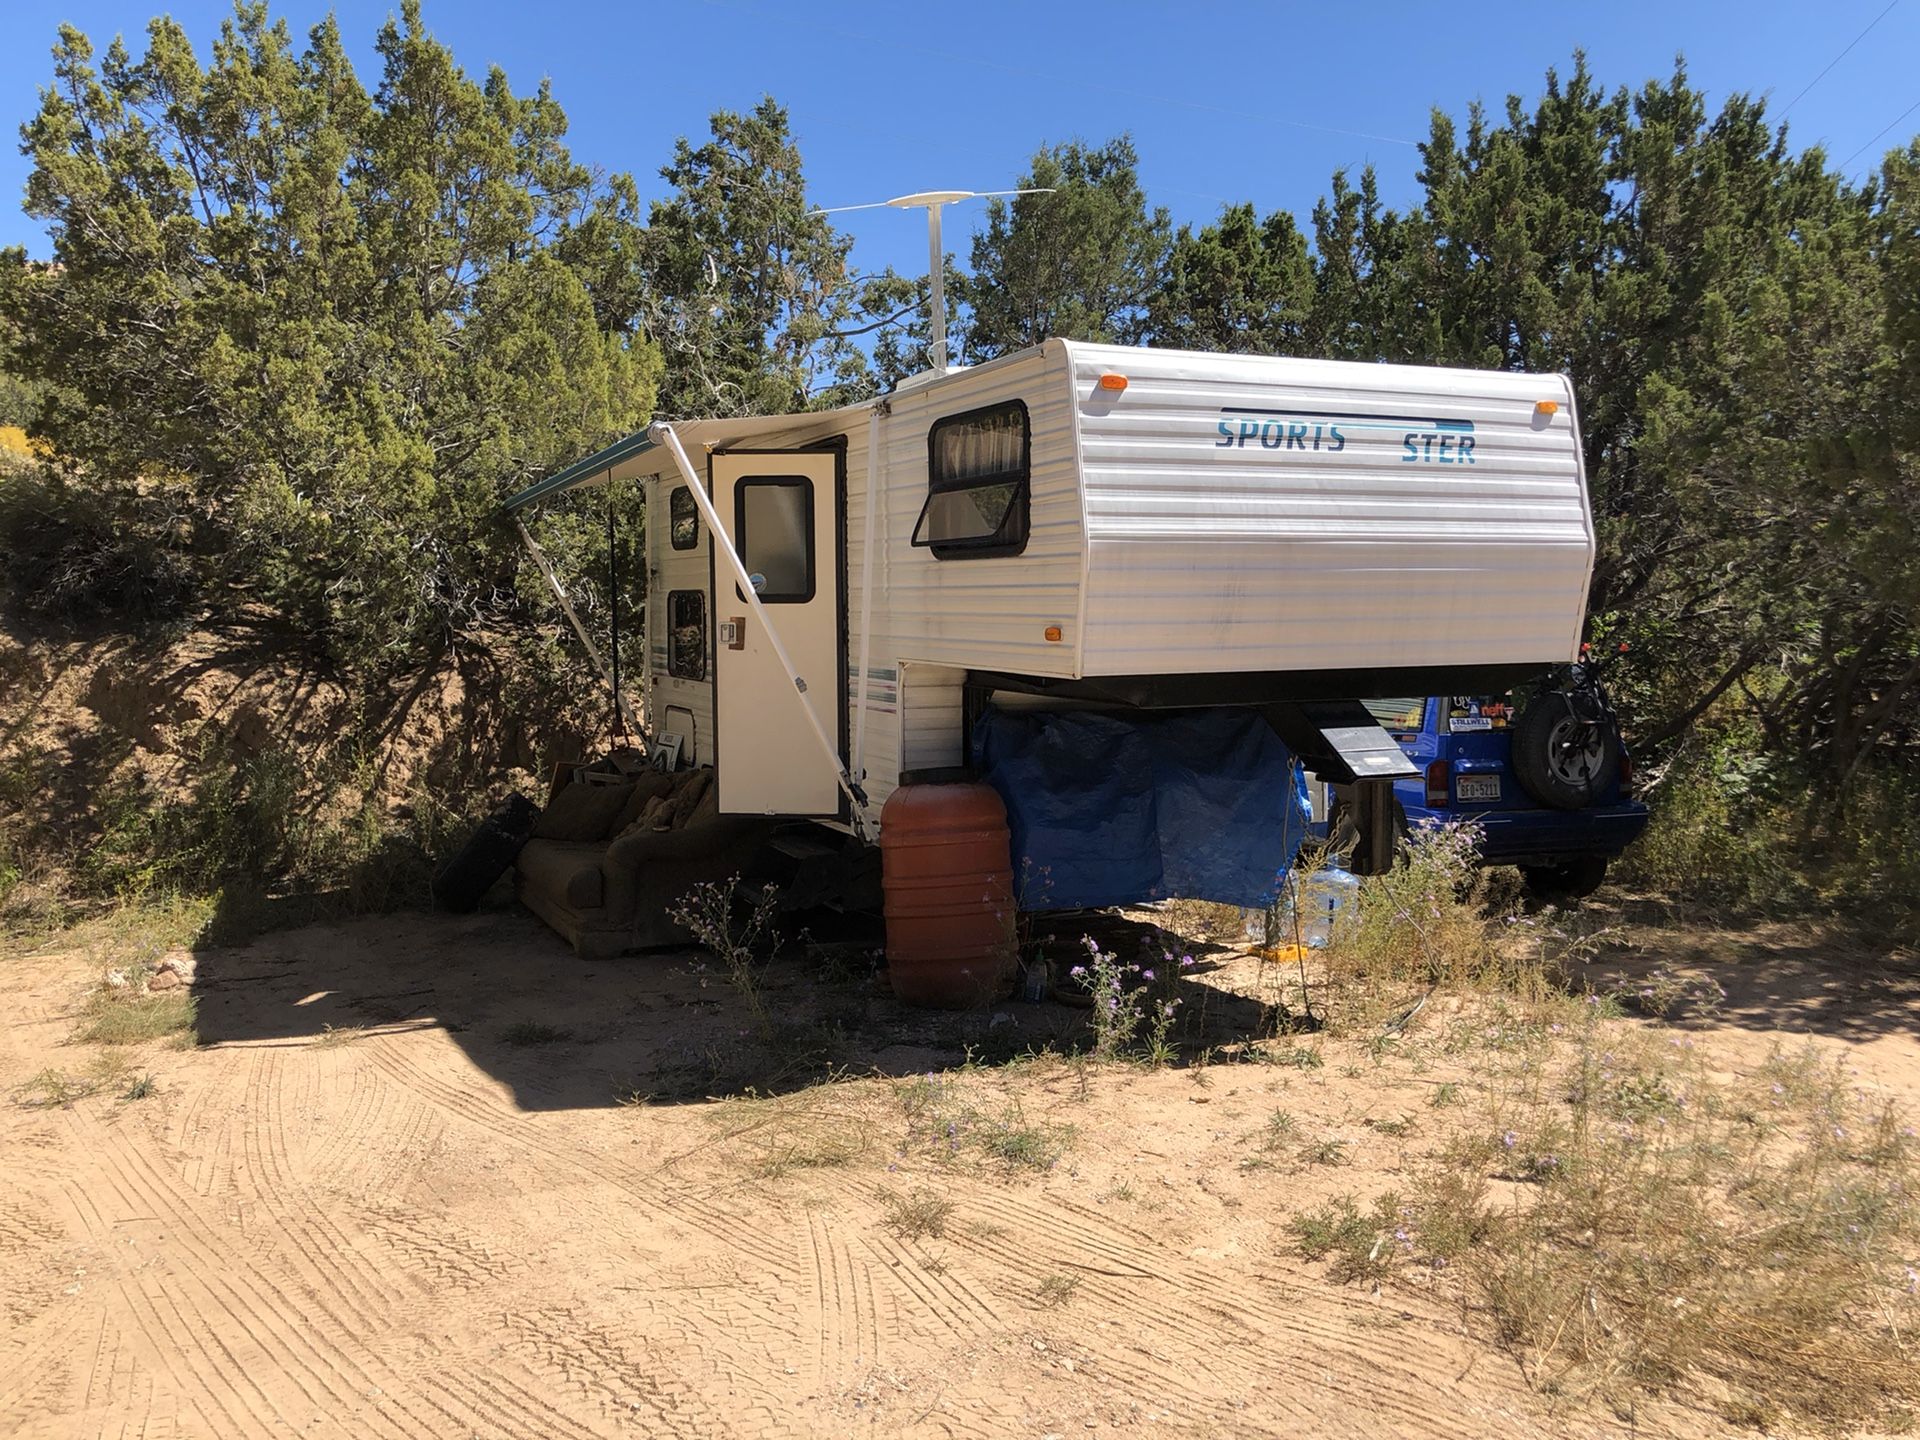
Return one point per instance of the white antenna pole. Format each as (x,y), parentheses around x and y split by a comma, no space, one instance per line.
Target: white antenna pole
(931,201)
(937,297)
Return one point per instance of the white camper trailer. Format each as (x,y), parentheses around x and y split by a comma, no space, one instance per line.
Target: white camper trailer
(828,593)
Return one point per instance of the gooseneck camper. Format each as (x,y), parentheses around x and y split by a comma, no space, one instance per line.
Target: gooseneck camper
(836,598)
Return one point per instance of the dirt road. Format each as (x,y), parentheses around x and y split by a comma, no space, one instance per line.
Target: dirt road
(422,1177)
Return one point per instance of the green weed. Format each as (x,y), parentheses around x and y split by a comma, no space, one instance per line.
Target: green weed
(1056,1290)
(1362,1245)
(127,1017)
(942,1120)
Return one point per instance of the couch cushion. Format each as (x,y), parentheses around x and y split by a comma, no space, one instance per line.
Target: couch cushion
(645,787)
(688,795)
(708,809)
(566,871)
(581,812)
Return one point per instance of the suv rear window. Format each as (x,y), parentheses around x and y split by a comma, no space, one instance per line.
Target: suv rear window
(1467,713)
(1398,714)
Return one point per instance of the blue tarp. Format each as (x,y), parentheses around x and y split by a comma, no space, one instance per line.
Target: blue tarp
(1117,810)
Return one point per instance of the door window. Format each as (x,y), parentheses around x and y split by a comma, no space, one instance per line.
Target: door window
(773,523)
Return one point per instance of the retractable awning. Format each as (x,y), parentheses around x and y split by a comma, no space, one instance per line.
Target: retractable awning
(639,454)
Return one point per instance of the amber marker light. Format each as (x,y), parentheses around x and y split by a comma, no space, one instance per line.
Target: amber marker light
(1546,407)
(1053,631)
(1115,383)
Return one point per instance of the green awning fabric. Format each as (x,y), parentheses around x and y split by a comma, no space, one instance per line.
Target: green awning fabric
(581,471)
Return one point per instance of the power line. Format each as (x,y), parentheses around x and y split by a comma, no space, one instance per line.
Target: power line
(1890,124)
(1841,56)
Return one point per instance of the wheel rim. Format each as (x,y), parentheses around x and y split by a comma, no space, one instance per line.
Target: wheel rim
(1576,749)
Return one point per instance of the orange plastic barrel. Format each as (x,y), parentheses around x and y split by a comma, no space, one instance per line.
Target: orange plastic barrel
(946,864)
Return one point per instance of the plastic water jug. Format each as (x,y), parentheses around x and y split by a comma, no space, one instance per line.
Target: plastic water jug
(1323,896)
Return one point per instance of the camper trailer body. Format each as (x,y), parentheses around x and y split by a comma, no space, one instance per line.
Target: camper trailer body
(1082,524)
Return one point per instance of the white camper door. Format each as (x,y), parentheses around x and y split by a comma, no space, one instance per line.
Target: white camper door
(781,510)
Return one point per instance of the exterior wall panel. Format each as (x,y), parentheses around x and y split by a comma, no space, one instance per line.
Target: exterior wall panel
(1212,551)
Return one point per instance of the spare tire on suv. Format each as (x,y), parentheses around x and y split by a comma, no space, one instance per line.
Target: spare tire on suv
(1565,749)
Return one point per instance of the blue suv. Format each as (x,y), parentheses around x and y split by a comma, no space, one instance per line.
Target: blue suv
(1545,776)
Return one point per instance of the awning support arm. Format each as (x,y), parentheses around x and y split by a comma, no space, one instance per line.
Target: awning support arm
(723,546)
(874,482)
(560,594)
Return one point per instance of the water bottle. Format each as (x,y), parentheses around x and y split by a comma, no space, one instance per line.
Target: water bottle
(1323,895)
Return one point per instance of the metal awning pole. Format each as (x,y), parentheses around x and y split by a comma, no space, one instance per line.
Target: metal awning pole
(613,613)
(649,492)
(723,545)
(560,594)
(874,473)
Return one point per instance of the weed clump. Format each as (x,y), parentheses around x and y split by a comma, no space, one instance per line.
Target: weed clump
(738,933)
(126,1016)
(821,1128)
(1127,1000)
(943,1122)
(1409,933)
(920,1214)
(1363,1245)
(53,1089)
(1631,1221)
(1056,1290)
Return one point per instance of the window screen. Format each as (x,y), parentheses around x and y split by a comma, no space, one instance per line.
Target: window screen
(687,634)
(978,466)
(683,519)
(773,523)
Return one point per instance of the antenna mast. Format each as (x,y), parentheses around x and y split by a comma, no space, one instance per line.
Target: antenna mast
(932,201)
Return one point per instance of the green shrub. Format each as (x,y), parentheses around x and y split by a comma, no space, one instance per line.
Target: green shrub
(91,554)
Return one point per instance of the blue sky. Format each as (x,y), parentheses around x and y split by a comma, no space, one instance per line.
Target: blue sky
(1226,102)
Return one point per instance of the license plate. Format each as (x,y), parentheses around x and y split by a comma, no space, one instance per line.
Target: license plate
(1478,787)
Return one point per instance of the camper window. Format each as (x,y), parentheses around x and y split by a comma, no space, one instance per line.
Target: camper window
(683,519)
(687,634)
(978,465)
(773,521)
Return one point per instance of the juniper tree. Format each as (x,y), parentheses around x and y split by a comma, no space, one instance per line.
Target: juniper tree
(345,323)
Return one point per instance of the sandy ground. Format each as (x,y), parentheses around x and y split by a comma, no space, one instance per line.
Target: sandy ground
(357,1206)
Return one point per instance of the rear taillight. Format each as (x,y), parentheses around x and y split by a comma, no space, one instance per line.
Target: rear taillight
(1439,784)
(1626,776)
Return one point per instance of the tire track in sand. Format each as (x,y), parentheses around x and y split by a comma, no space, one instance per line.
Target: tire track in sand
(731,1232)
(1366,1367)
(218,1274)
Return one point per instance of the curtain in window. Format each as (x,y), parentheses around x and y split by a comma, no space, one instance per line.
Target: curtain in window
(992,444)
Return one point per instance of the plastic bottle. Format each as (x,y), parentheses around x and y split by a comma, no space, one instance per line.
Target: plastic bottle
(1323,895)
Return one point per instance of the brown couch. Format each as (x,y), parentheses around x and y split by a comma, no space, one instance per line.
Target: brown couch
(606,861)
